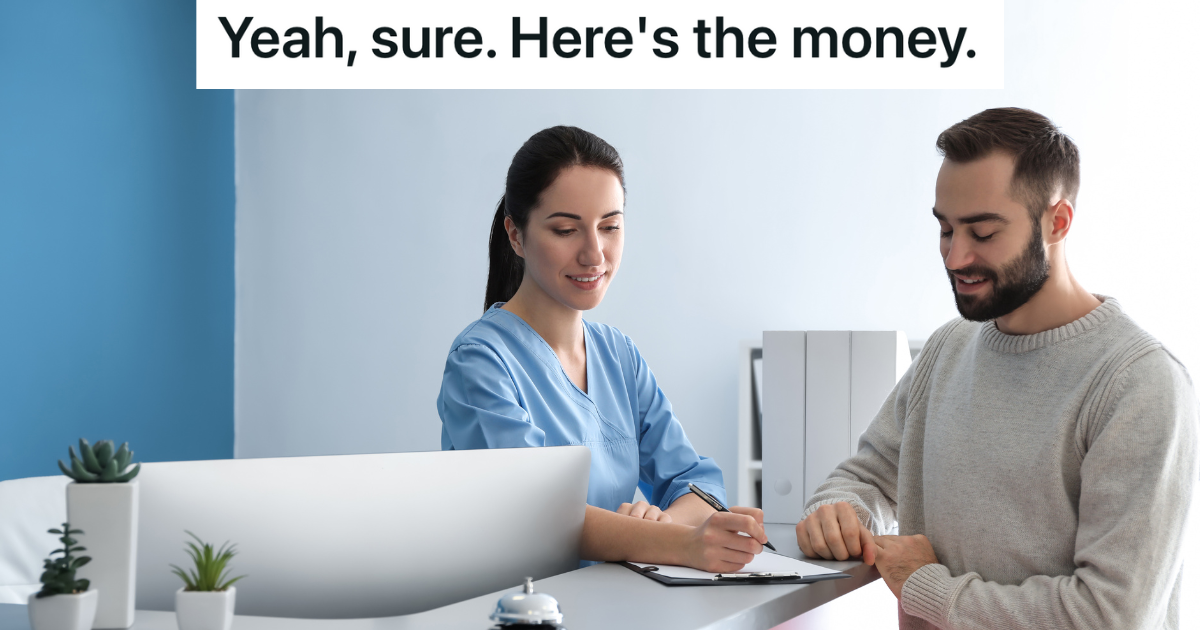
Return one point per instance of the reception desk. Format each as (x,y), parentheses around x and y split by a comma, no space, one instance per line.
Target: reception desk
(599,597)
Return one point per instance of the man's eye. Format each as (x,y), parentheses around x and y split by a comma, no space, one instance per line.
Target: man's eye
(982,239)
(947,233)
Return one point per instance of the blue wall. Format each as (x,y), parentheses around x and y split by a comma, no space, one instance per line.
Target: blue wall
(116,236)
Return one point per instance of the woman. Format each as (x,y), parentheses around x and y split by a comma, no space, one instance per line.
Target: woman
(533,372)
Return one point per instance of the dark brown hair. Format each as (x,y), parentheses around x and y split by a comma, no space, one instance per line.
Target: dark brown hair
(534,167)
(1047,161)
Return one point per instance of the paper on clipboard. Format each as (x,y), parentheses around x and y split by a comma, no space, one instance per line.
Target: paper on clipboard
(765,562)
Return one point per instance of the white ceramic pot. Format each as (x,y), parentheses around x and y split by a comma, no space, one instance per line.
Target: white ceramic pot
(63,612)
(205,610)
(107,514)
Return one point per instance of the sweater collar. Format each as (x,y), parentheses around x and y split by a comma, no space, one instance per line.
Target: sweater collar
(1014,344)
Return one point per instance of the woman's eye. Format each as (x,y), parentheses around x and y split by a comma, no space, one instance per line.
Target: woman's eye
(947,233)
(611,228)
(564,232)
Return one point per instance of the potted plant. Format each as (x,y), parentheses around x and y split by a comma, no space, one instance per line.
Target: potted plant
(206,600)
(103,501)
(64,603)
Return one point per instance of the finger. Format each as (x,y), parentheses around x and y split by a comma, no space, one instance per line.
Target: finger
(720,537)
(803,541)
(739,522)
(624,508)
(664,518)
(743,523)
(639,509)
(653,513)
(733,556)
(832,530)
(752,512)
(850,527)
(817,537)
(867,543)
(724,566)
(719,534)
(742,543)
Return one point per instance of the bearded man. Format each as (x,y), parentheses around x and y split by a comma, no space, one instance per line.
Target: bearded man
(1039,455)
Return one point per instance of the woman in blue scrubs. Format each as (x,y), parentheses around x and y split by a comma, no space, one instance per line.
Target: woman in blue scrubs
(533,372)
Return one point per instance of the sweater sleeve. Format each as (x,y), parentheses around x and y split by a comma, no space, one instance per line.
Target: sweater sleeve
(1137,477)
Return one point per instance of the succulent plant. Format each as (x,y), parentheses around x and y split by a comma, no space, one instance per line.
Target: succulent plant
(210,573)
(100,464)
(59,576)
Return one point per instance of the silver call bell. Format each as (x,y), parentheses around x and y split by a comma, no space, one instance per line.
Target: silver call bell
(527,609)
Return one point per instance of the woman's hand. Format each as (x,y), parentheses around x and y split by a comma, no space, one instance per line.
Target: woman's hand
(645,511)
(717,546)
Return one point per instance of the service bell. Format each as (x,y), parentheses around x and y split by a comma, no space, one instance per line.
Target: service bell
(528,609)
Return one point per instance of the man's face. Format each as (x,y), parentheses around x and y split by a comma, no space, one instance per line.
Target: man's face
(993,251)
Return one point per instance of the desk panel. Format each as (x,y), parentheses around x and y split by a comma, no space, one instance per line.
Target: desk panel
(599,597)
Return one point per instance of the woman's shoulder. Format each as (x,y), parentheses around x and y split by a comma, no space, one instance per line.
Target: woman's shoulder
(614,341)
(491,331)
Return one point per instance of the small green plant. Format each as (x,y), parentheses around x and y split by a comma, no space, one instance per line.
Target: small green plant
(211,572)
(100,464)
(59,576)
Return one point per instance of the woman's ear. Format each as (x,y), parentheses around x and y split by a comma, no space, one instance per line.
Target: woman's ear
(514,236)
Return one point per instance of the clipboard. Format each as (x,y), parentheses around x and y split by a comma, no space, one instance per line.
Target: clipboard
(794,572)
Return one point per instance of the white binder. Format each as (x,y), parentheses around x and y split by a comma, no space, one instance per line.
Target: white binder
(821,389)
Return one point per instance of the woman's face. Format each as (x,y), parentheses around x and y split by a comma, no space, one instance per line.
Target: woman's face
(572,244)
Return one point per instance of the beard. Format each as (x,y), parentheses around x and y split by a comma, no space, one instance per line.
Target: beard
(1012,286)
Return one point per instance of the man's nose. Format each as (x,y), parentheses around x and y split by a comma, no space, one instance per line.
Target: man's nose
(959,255)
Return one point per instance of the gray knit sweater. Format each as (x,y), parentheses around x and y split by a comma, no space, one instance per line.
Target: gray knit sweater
(1051,472)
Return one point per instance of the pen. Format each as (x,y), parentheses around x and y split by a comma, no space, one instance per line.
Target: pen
(716,505)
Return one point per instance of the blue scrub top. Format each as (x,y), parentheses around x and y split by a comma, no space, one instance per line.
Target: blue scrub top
(504,387)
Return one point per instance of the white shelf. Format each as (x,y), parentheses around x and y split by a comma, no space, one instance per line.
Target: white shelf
(749,442)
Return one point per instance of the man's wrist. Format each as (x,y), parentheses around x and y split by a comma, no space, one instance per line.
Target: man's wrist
(927,592)
(860,510)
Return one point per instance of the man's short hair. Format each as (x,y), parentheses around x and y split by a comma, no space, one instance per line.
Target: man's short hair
(1047,161)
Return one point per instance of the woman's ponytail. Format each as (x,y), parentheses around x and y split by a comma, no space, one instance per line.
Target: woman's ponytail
(505,267)
(534,167)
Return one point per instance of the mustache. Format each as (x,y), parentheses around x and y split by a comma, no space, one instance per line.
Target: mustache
(974,270)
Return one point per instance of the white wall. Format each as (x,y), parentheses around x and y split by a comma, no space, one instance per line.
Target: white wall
(363,221)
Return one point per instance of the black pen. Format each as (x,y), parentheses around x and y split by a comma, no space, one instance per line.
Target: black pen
(716,505)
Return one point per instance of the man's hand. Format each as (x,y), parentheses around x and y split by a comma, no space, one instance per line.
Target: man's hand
(644,510)
(897,557)
(834,533)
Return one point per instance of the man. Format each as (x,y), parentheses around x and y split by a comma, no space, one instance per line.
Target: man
(1039,455)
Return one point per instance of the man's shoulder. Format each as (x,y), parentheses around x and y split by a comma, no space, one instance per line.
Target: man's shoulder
(954,333)
(1132,352)
(1143,360)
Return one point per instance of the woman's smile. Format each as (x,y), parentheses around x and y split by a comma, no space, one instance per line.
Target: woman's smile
(587,282)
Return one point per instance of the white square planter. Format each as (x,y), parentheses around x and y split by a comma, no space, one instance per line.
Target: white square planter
(108,515)
(63,612)
(205,610)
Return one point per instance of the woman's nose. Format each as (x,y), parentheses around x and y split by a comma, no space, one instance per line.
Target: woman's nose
(592,254)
